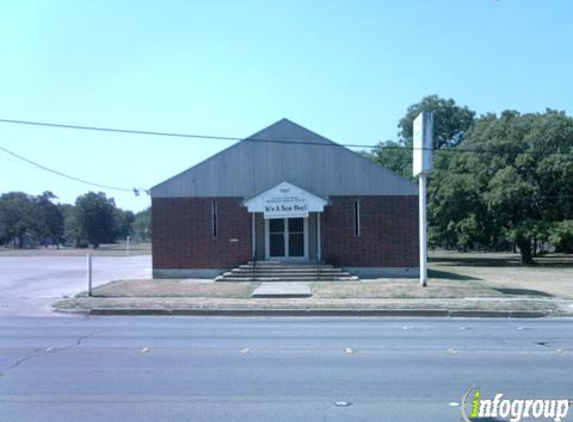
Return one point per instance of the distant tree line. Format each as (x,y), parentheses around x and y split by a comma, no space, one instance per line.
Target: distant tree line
(499,181)
(94,219)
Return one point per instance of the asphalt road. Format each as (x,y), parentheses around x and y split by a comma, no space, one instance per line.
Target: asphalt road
(273,369)
(29,285)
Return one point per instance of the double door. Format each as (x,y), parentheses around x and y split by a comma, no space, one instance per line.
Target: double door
(287,238)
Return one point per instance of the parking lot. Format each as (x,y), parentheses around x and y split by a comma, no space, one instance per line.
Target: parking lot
(30,284)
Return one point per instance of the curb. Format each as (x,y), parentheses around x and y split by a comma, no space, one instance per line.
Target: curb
(309,312)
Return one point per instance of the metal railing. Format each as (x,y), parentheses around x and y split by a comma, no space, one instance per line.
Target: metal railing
(254,266)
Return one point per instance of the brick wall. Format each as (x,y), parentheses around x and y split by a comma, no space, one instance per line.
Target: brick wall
(183,238)
(182,232)
(388,234)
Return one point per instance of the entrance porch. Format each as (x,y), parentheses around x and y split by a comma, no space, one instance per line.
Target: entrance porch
(286,224)
(287,239)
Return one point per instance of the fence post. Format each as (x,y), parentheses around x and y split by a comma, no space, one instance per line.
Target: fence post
(89,273)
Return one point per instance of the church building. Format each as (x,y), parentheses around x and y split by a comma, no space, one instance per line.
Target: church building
(285,194)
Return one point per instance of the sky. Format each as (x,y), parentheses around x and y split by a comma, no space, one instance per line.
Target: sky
(347,70)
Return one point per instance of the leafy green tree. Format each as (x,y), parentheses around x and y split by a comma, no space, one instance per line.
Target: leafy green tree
(511,182)
(73,232)
(451,123)
(142,225)
(95,215)
(47,219)
(123,223)
(16,217)
(561,235)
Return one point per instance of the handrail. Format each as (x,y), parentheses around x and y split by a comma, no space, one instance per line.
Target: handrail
(254,267)
(317,267)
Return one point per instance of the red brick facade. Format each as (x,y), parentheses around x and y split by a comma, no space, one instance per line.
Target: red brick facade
(183,233)
(388,232)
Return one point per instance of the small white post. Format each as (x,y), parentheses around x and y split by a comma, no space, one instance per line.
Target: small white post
(318,237)
(127,245)
(89,273)
(423,232)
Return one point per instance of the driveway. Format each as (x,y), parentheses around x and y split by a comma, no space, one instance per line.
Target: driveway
(30,284)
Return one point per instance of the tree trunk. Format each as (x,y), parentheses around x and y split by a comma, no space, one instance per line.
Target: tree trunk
(535,247)
(525,250)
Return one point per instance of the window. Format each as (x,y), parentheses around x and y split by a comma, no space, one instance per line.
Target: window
(356,218)
(214,227)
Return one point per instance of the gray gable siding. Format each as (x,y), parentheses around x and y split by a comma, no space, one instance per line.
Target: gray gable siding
(314,163)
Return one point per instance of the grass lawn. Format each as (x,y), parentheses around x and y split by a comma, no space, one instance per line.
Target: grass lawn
(552,276)
(452,276)
(174,288)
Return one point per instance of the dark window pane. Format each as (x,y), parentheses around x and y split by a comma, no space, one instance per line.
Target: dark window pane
(296,244)
(277,225)
(276,244)
(296,224)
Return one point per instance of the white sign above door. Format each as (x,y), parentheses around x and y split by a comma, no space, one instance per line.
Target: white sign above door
(285,201)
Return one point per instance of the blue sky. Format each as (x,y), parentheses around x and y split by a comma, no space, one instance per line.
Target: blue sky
(345,69)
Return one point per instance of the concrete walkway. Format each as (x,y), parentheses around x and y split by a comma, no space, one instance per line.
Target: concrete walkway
(283,290)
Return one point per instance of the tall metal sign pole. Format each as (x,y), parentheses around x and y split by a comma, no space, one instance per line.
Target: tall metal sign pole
(422,165)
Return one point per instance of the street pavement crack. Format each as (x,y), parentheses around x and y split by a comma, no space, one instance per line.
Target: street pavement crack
(326,409)
(42,352)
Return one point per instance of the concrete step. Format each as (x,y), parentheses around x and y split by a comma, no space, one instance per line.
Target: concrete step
(285,276)
(285,270)
(270,271)
(284,265)
(282,279)
(274,271)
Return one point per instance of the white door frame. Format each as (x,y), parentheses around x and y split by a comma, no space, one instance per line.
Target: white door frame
(286,257)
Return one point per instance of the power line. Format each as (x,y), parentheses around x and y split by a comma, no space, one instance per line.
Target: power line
(59,173)
(282,141)
(175,134)
(137,191)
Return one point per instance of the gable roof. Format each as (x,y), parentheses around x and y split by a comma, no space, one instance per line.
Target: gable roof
(285,152)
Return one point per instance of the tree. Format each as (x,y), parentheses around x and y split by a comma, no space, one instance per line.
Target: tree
(451,123)
(16,217)
(73,232)
(142,225)
(561,235)
(123,223)
(510,183)
(95,215)
(48,221)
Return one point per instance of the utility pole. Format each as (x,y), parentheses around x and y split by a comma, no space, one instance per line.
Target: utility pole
(423,232)
(422,165)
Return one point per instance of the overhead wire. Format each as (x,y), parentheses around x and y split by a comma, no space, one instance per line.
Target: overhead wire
(136,191)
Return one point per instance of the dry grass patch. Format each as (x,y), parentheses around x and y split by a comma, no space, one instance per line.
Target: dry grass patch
(403,289)
(174,288)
